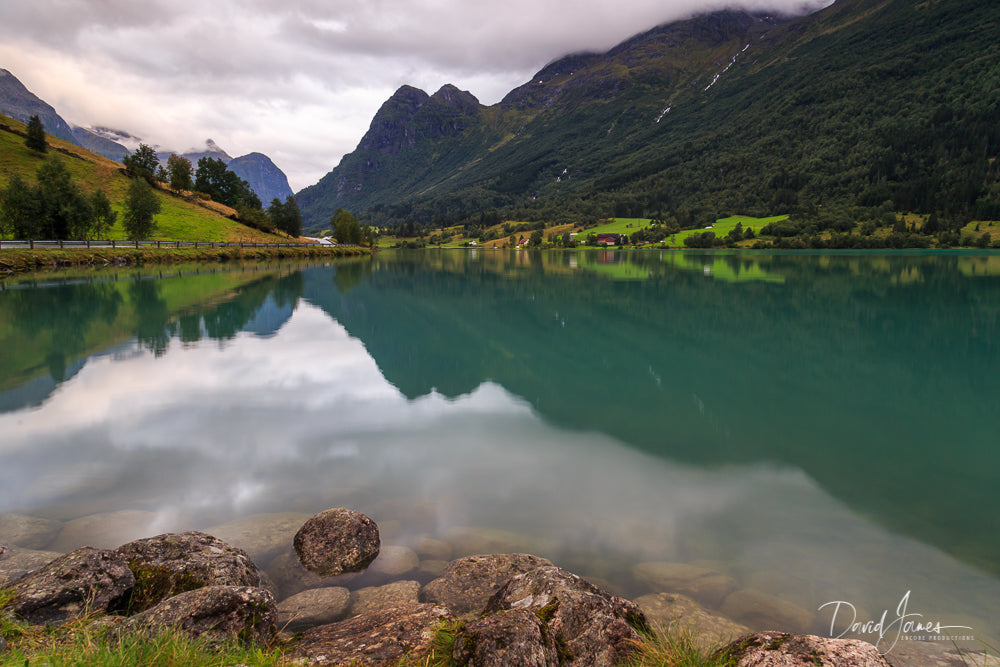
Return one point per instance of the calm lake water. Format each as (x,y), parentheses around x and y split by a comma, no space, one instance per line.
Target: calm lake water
(816,428)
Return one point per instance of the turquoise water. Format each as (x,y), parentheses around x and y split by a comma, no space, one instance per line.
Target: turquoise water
(815,427)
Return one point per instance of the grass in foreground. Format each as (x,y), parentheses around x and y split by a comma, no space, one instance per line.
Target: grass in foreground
(81,643)
(674,647)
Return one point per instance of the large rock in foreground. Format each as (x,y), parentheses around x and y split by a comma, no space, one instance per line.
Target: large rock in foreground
(79,582)
(376,598)
(780,649)
(590,626)
(337,541)
(16,562)
(214,613)
(172,563)
(467,584)
(380,638)
(519,637)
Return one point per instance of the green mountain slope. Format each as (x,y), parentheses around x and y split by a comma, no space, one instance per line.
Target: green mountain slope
(860,103)
(182,218)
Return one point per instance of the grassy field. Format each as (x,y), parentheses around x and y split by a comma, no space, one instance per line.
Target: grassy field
(616,226)
(182,218)
(721,227)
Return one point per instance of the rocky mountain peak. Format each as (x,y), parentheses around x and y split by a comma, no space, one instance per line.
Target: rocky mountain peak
(461,100)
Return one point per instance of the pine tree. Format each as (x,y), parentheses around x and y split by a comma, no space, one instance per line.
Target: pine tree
(36,135)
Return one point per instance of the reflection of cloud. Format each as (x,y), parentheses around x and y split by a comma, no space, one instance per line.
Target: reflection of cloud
(305,418)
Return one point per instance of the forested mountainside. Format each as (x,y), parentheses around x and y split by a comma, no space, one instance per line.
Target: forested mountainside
(859,104)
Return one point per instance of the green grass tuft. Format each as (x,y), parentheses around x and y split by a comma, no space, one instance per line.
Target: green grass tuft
(673,647)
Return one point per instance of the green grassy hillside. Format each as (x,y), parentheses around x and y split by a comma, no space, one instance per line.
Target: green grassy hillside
(182,218)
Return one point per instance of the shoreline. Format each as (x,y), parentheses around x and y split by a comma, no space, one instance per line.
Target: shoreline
(15,261)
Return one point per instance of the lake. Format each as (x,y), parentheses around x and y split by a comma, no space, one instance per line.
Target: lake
(802,428)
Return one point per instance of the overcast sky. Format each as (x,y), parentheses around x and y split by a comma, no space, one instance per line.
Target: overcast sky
(298,80)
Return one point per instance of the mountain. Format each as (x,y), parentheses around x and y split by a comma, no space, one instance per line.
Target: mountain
(209,150)
(861,103)
(95,143)
(129,141)
(181,218)
(257,169)
(17,102)
(21,104)
(264,177)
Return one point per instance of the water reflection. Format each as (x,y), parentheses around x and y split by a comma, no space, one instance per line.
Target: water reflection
(787,433)
(877,375)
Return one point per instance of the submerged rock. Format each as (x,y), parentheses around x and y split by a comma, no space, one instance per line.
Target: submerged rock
(263,536)
(72,585)
(28,532)
(395,561)
(430,548)
(938,654)
(705,585)
(673,611)
(467,584)
(590,626)
(214,613)
(466,540)
(781,649)
(318,606)
(760,610)
(337,541)
(291,578)
(173,563)
(518,637)
(104,531)
(379,638)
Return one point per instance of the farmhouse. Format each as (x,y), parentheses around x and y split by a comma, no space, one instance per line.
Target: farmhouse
(609,238)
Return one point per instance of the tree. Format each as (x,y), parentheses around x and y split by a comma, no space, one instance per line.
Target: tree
(141,205)
(36,135)
(222,185)
(20,209)
(535,239)
(369,236)
(286,216)
(345,227)
(179,172)
(104,216)
(65,212)
(142,163)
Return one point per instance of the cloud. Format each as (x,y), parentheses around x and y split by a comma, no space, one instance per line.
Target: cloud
(298,80)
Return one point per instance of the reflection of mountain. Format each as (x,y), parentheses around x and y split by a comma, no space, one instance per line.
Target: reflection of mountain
(269,318)
(872,374)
